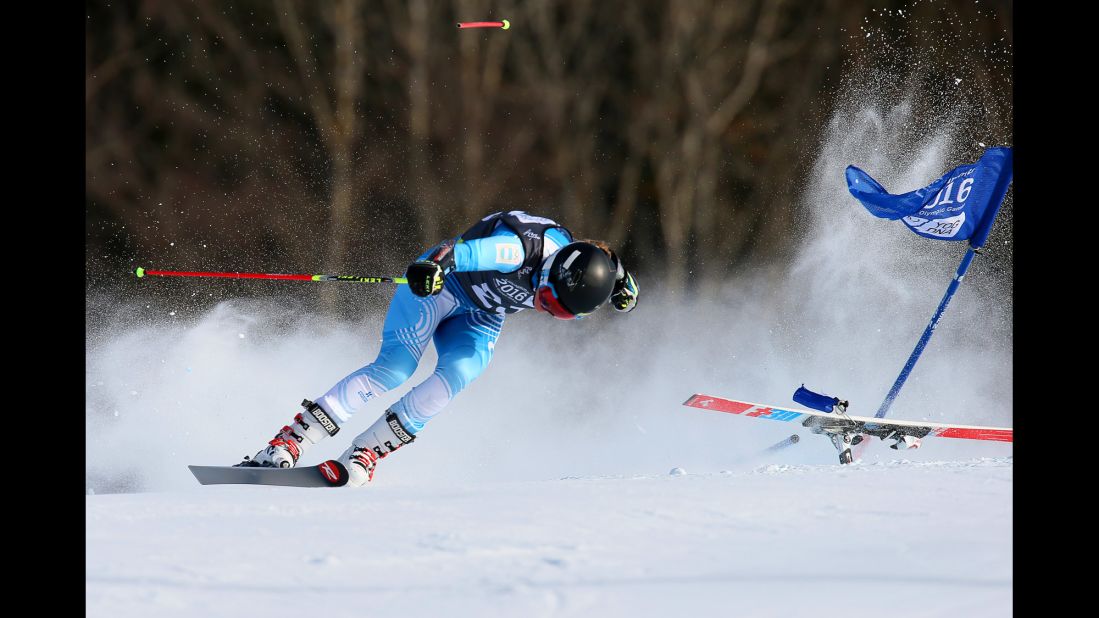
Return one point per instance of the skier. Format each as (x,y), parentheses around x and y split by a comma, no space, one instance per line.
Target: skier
(458,294)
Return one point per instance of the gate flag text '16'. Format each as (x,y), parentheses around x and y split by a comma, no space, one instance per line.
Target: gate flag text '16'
(959,206)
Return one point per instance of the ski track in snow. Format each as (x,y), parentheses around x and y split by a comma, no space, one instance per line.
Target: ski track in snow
(902,538)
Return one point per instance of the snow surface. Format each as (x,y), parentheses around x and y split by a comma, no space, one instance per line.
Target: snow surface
(898,539)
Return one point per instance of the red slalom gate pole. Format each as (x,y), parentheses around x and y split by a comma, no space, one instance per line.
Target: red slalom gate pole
(142,272)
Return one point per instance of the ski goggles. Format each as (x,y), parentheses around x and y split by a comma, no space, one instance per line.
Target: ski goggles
(545,299)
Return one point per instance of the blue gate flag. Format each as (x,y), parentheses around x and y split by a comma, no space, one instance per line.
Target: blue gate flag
(959,206)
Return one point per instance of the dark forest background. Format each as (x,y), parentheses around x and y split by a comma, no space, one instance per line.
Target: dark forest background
(344,136)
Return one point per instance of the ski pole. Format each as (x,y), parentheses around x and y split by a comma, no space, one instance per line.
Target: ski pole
(778,446)
(143,272)
(503,25)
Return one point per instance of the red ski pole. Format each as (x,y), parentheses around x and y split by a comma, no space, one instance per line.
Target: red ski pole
(142,272)
(503,25)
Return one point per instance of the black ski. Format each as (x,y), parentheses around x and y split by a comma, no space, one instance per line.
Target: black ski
(328,474)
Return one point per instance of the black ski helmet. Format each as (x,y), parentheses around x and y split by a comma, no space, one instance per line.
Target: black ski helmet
(575,281)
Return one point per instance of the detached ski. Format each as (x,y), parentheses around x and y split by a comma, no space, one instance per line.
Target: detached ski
(328,474)
(823,422)
(846,431)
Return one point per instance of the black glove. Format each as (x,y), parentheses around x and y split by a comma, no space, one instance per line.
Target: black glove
(425,277)
(626,290)
(624,296)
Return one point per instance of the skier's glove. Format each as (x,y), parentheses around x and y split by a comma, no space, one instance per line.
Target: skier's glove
(624,296)
(626,290)
(425,277)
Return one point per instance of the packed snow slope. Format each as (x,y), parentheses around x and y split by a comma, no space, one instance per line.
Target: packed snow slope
(897,539)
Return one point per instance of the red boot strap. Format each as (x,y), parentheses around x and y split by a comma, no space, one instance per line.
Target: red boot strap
(367,455)
(368,459)
(290,445)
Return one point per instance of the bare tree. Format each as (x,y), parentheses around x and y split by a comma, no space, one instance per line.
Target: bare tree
(333,103)
(705,69)
(563,67)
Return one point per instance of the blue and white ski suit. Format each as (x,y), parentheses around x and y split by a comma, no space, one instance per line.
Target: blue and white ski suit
(495,265)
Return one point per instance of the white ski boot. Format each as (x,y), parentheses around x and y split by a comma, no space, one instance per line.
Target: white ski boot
(308,428)
(384,436)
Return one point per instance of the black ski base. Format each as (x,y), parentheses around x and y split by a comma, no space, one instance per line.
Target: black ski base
(328,474)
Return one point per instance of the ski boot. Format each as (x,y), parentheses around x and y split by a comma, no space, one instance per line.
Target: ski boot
(843,443)
(384,436)
(291,441)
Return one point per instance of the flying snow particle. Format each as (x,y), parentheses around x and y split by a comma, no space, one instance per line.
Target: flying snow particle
(241,335)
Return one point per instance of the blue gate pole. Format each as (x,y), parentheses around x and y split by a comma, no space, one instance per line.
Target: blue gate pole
(964,266)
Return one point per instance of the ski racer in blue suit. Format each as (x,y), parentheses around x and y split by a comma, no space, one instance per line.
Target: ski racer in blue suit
(458,294)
